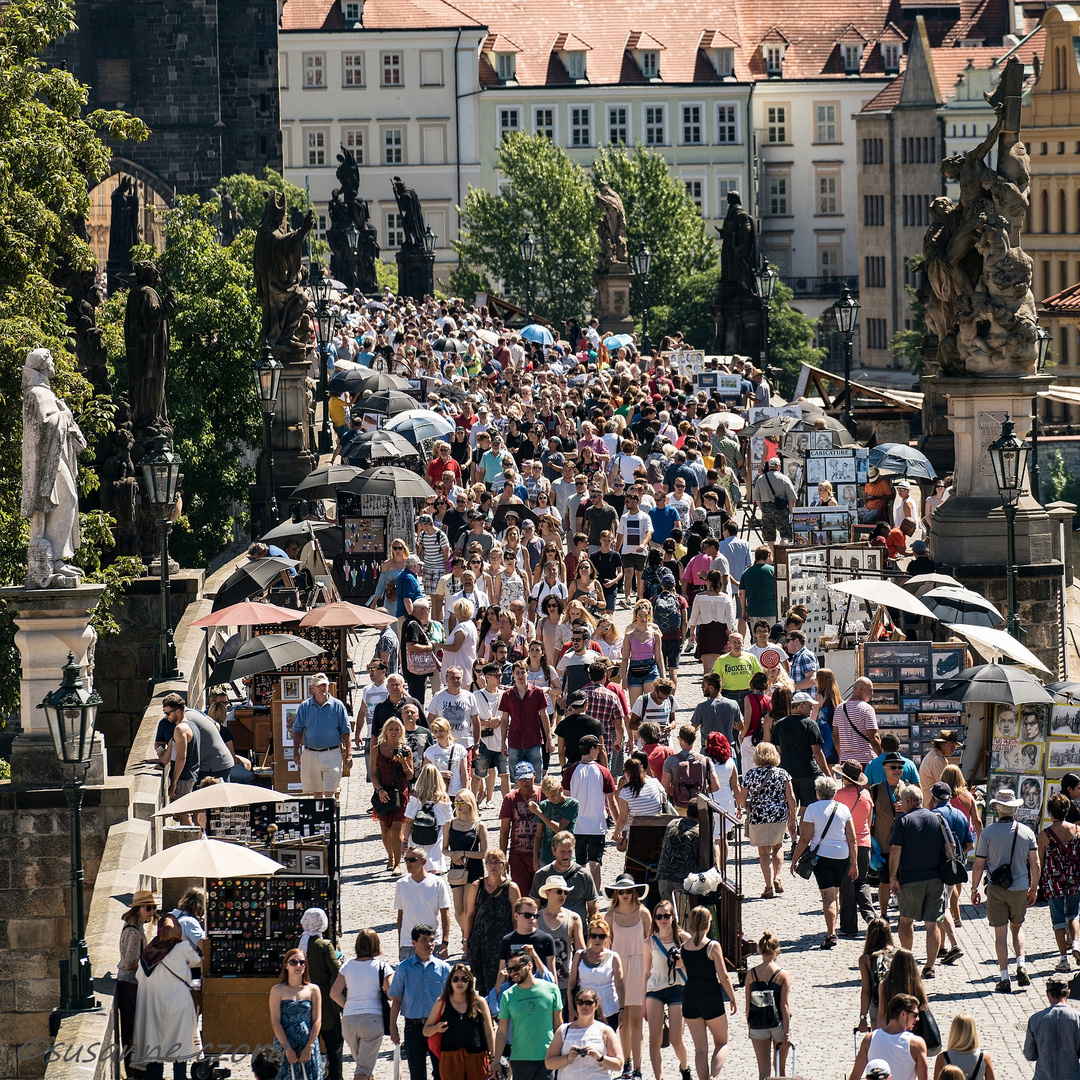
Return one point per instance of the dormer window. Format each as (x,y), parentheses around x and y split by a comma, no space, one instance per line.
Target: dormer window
(353,10)
(891,51)
(575,64)
(774,59)
(724,62)
(650,63)
(852,53)
(506,63)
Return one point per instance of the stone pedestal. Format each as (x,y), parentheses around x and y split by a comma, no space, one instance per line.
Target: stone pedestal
(740,324)
(613,300)
(416,273)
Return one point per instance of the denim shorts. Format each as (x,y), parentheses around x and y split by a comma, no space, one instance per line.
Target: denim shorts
(486,758)
(670,995)
(640,672)
(1063,909)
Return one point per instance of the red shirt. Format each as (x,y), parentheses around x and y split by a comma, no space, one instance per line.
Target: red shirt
(465,421)
(436,469)
(525,729)
(657,755)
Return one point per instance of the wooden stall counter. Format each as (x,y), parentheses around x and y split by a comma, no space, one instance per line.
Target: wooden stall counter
(236,1011)
(251,729)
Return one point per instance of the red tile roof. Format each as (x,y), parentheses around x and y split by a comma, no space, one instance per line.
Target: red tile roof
(851,33)
(377,15)
(570,43)
(500,44)
(1066,301)
(641,39)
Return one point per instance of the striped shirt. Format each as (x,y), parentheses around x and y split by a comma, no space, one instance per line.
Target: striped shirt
(431,548)
(854,721)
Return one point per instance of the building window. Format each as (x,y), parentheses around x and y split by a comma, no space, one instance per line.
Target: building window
(829,262)
(691,125)
(316,147)
(395,230)
(1063,213)
(544,122)
(650,64)
(873,151)
(314,71)
(727,124)
(575,64)
(724,184)
(875,272)
(852,58)
(353,139)
(873,209)
(912,276)
(391,69)
(776,123)
(877,334)
(654,125)
(774,60)
(694,189)
(778,195)
(507,62)
(825,118)
(915,210)
(509,121)
(618,127)
(393,146)
(431,61)
(725,62)
(353,69)
(890,55)
(352,11)
(581,126)
(828,197)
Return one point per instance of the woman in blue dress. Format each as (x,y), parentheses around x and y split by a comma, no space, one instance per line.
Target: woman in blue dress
(296,1016)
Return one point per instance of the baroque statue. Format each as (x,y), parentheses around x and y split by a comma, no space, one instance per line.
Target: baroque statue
(51,444)
(611,229)
(123,227)
(146,338)
(738,249)
(346,210)
(279,276)
(412,216)
(232,221)
(977,291)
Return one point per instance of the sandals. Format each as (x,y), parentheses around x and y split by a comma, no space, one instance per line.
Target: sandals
(778,885)
(830,941)
(768,894)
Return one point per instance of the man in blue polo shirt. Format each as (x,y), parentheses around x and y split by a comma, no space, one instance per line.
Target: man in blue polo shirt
(417,984)
(408,590)
(323,740)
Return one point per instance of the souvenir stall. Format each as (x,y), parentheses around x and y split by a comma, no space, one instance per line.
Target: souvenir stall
(365,546)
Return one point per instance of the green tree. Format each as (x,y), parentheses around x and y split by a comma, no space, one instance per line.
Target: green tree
(791,340)
(908,344)
(551,197)
(1060,484)
(249,193)
(51,155)
(687,310)
(659,212)
(211,400)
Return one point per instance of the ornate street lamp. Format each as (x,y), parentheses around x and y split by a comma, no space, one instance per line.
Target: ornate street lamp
(353,237)
(266,374)
(161,474)
(429,248)
(71,711)
(642,264)
(766,279)
(846,313)
(1042,348)
(1009,456)
(527,249)
(324,318)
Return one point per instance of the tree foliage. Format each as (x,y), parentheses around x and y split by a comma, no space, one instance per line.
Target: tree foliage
(550,196)
(1061,484)
(209,392)
(791,340)
(659,212)
(249,193)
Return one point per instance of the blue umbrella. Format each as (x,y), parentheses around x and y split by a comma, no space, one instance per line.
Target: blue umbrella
(540,334)
(617,341)
(897,459)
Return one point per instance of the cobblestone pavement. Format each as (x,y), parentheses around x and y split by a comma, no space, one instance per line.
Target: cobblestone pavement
(826,984)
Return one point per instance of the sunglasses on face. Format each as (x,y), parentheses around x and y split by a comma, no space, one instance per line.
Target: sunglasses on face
(560,892)
(662,915)
(415,858)
(586,1004)
(516,967)
(598,937)
(149,907)
(460,980)
(297,962)
(528,915)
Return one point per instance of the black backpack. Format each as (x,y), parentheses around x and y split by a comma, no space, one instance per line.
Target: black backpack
(764,1009)
(425,830)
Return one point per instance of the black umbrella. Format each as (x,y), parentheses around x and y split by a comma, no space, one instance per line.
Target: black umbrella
(269,652)
(393,481)
(387,402)
(449,345)
(1004,683)
(382,380)
(376,305)
(523,512)
(378,446)
(328,533)
(249,579)
(324,483)
(958,605)
(1065,689)
(349,380)
(772,427)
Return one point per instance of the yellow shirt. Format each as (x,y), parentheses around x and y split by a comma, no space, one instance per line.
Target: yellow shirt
(337,411)
(736,671)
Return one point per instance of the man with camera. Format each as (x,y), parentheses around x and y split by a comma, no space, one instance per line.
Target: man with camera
(775,496)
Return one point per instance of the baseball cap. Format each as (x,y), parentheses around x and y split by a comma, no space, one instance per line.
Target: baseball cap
(699,513)
(576,699)
(667,578)
(425,519)
(524,771)
(878,1069)
(941,790)
(802,698)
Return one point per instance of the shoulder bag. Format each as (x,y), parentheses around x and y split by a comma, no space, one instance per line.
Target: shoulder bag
(927,1029)
(435,1041)
(853,727)
(420,663)
(1002,876)
(393,801)
(384,999)
(808,859)
(952,870)
(779,501)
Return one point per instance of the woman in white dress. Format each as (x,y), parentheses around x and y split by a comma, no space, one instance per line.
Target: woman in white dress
(728,794)
(586,1049)
(461,639)
(166,1027)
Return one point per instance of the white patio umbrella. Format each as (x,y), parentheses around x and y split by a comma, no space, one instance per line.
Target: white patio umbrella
(216,795)
(883,592)
(207,858)
(994,644)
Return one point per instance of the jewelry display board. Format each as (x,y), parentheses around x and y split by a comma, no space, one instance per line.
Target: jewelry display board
(365,545)
(333,662)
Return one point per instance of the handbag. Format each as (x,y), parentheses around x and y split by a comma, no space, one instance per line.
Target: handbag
(952,869)
(1002,876)
(420,663)
(808,859)
(384,999)
(434,1042)
(393,801)
(926,1027)
(459,875)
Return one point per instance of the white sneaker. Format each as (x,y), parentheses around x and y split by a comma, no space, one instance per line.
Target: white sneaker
(1063,964)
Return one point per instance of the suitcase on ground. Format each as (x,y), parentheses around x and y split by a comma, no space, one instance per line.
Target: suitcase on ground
(776,1066)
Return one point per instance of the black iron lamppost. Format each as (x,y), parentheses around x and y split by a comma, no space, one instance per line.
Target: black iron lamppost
(527,249)
(266,374)
(161,473)
(324,319)
(846,313)
(1042,347)
(71,712)
(766,279)
(353,236)
(642,265)
(429,249)
(1009,454)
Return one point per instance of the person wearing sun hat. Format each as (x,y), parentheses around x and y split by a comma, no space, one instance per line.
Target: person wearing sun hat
(143,909)
(947,745)
(1007,843)
(855,896)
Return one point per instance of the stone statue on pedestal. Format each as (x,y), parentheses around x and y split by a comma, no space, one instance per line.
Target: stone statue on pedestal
(146,337)
(123,229)
(346,210)
(977,291)
(611,229)
(51,445)
(412,216)
(232,221)
(738,312)
(279,275)
(738,249)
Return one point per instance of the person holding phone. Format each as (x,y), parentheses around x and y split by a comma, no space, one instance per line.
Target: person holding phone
(586,1048)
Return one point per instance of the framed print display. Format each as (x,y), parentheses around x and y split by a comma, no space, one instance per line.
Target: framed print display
(1031,791)
(1005,756)
(729,385)
(910,703)
(912,671)
(307,686)
(898,653)
(1031,757)
(943,706)
(292,688)
(288,718)
(885,673)
(994,784)
(1064,720)
(892,720)
(1006,722)
(886,696)
(1034,722)
(916,689)
(821,440)
(1063,755)
(947,663)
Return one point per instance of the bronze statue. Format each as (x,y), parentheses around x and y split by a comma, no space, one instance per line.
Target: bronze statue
(412,216)
(146,338)
(123,226)
(279,275)
(738,249)
(611,230)
(232,221)
(346,210)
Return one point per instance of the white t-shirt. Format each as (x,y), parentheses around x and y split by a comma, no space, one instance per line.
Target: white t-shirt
(542,590)
(458,709)
(626,464)
(634,529)
(725,796)
(488,707)
(420,902)
(362,983)
(649,802)
(684,505)
(647,709)
(834,846)
(437,862)
(464,658)
(448,760)
(587,786)
(372,695)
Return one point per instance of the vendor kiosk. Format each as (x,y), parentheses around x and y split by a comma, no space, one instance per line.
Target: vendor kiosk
(253,922)
(365,546)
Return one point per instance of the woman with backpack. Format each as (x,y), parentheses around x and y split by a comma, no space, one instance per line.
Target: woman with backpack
(768,1007)
(877,952)
(427,811)
(963,1052)
(828,697)
(757,719)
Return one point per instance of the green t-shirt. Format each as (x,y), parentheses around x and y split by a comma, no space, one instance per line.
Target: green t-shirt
(759,583)
(736,671)
(567,810)
(530,1010)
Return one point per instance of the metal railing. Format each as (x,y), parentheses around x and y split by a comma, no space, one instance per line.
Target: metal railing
(822,286)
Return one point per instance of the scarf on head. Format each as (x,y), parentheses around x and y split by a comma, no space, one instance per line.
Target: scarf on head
(157,950)
(313,922)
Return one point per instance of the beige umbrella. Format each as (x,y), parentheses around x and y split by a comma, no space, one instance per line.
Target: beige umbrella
(994,644)
(207,858)
(219,795)
(887,593)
